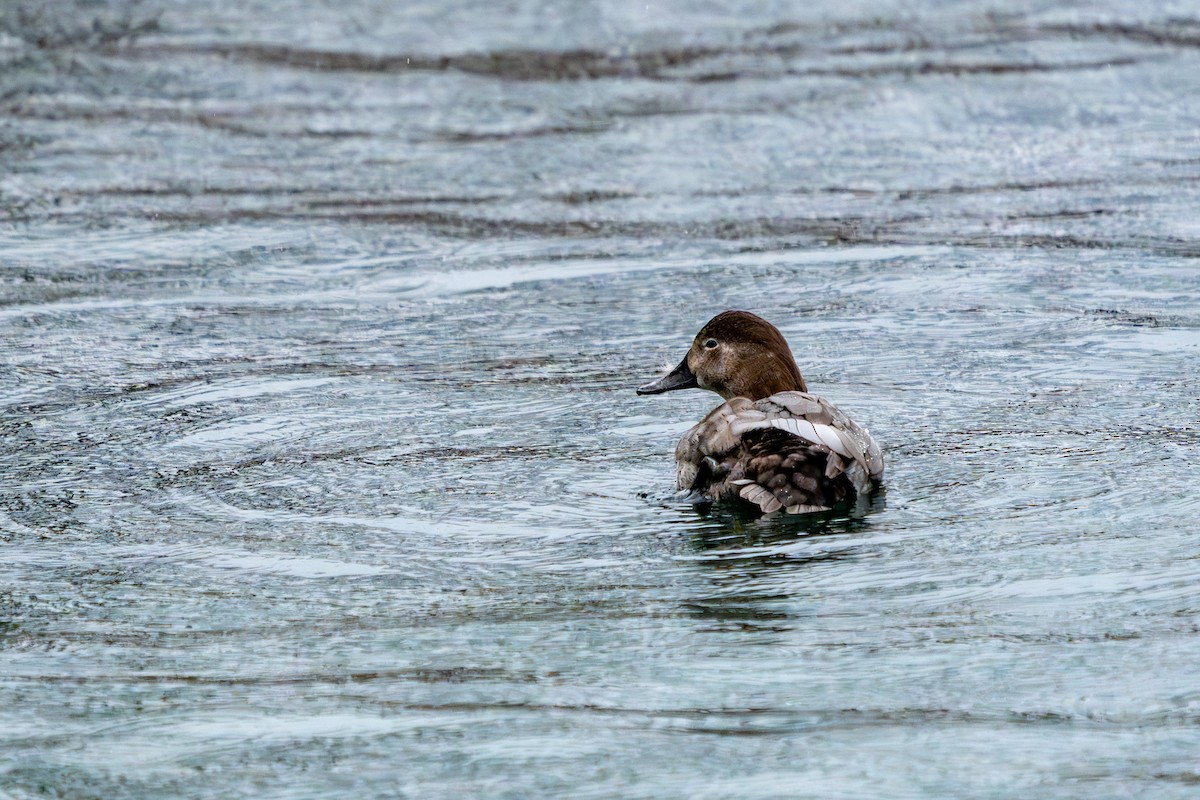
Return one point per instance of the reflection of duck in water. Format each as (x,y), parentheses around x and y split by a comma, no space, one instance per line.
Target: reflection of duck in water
(771,442)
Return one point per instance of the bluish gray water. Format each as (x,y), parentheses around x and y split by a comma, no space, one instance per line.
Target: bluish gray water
(321,471)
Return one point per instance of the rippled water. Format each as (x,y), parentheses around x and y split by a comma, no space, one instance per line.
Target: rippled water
(321,471)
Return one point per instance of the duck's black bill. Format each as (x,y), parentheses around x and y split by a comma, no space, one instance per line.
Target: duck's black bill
(679,378)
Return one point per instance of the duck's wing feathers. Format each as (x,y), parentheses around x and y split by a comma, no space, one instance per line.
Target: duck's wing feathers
(792,451)
(794,412)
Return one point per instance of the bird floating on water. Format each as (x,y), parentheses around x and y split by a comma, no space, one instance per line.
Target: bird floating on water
(771,442)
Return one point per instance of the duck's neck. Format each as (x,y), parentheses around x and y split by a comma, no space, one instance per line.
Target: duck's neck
(765,375)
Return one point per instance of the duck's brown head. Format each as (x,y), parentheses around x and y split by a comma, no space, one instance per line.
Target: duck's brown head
(737,354)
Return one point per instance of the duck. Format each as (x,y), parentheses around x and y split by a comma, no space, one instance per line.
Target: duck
(770,443)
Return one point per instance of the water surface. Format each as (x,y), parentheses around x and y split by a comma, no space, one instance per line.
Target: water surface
(321,471)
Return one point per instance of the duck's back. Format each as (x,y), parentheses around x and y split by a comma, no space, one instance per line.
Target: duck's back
(792,450)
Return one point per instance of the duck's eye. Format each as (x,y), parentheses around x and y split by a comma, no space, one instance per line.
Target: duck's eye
(710,344)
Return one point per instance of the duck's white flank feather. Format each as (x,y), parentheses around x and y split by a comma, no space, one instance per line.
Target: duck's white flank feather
(825,435)
(760,497)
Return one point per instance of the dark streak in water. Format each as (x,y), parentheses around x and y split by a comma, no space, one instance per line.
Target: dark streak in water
(657,64)
(840,230)
(421,675)
(1176,33)
(474,137)
(518,65)
(1022,186)
(228,122)
(930,68)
